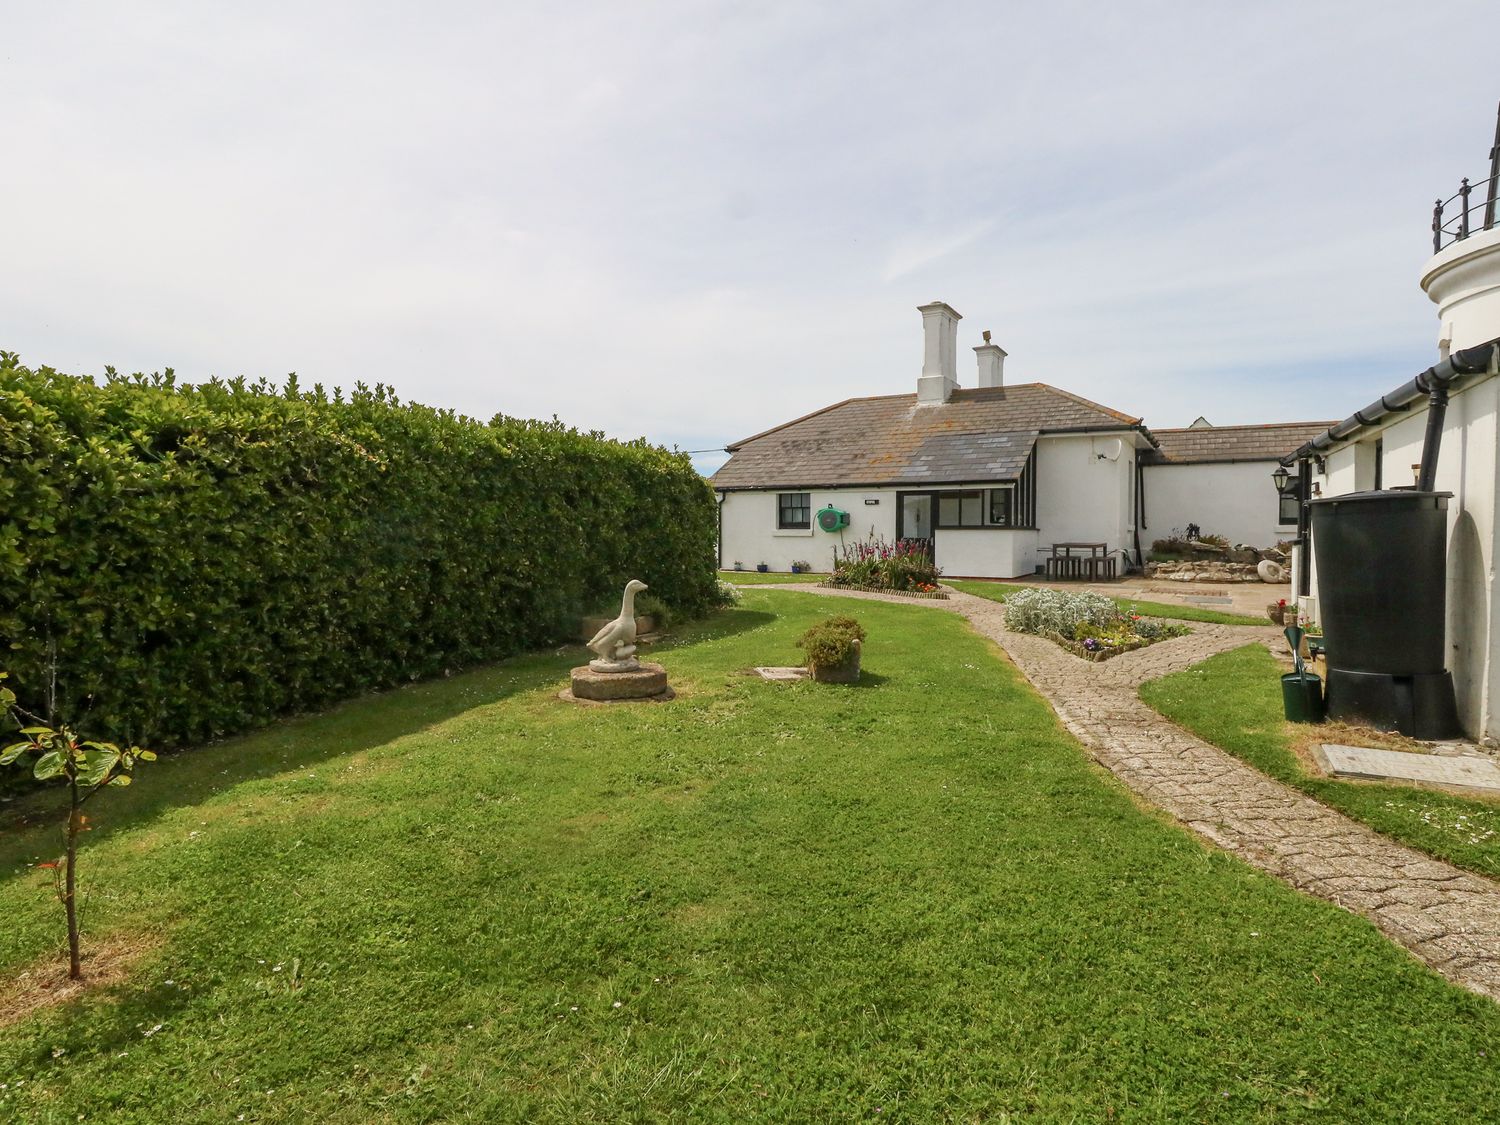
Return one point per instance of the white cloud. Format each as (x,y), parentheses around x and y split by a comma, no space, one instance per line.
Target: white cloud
(694,221)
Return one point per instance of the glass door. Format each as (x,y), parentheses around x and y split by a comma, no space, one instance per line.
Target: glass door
(915,522)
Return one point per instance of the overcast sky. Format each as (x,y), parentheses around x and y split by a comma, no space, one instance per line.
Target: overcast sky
(694,220)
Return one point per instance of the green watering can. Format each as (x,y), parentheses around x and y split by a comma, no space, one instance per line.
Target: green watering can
(1301,691)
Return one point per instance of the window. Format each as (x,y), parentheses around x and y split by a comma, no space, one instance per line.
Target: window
(960,509)
(793,510)
(1287,513)
(1002,507)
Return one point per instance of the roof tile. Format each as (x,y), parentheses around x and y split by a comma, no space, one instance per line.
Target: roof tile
(979,434)
(1207,444)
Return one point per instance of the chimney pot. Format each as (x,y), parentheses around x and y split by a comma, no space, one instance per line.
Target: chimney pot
(939,353)
(991,363)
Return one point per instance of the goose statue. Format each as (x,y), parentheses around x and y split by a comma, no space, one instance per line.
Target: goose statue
(615,643)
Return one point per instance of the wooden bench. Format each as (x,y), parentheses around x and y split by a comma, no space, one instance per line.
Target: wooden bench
(1080,562)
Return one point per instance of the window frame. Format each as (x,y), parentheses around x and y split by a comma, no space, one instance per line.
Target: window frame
(1009,495)
(783,508)
(958,495)
(1289,499)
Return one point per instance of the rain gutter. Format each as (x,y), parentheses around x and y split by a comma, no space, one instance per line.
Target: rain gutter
(1434,383)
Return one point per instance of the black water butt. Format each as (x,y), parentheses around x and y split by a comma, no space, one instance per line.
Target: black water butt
(1382,600)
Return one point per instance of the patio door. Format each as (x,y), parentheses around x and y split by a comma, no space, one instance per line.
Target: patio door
(914,518)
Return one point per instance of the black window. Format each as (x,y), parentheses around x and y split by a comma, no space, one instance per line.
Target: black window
(960,509)
(1002,507)
(1289,502)
(793,509)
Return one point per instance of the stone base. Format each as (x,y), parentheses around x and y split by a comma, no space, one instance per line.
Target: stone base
(647,682)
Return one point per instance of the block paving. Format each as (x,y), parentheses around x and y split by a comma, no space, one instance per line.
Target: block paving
(1447,917)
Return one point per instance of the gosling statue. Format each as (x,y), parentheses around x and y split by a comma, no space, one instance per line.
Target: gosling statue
(615,643)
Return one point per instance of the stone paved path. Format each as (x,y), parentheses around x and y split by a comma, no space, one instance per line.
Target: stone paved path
(1447,917)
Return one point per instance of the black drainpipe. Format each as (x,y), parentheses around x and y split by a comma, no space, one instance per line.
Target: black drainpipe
(1304,536)
(1432,442)
(720,507)
(1140,510)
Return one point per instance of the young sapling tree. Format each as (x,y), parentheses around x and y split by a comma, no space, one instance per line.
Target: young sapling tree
(86,767)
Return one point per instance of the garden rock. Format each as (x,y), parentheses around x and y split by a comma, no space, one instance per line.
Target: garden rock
(1220,572)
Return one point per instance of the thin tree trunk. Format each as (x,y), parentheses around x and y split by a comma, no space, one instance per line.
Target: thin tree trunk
(75,966)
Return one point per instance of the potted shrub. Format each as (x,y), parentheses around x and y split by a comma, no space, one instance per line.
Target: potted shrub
(801,566)
(832,649)
(738,565)
(1283,612)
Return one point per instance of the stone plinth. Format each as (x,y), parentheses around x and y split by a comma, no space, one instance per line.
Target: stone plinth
(648,682)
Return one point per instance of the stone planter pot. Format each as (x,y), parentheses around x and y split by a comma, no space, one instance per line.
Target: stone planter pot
(844,673)
(1274,612)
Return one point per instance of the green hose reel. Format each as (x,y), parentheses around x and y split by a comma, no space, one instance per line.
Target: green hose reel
(833,519)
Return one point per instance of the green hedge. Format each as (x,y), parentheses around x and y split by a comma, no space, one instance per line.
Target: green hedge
(203,558)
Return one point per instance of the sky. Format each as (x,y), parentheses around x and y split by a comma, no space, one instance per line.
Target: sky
(694,221)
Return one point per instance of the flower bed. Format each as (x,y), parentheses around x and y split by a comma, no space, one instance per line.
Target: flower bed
(1089,626)
(875,564)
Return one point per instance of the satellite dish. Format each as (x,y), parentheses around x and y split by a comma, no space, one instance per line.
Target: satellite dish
(1112,450)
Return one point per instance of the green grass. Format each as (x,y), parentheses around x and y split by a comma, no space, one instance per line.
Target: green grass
(755,578)
(912,900)
(999,591)
(1233,700)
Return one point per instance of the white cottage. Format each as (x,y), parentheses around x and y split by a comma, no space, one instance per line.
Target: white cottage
(989,477)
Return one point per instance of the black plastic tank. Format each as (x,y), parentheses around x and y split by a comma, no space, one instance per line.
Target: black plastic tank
(1382,598)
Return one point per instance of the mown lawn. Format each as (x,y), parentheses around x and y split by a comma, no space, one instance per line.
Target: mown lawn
(1233,700)
(756,578)
(999,591)
(910,900)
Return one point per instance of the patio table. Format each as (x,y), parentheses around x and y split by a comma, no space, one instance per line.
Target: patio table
(1083,561)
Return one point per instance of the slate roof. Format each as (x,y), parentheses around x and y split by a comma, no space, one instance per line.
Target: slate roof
(980,434)
(1202,445)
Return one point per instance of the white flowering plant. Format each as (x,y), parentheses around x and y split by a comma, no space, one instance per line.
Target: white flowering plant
(1044,611)
(1087,625)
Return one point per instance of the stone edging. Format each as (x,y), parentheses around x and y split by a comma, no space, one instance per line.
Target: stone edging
(936,595)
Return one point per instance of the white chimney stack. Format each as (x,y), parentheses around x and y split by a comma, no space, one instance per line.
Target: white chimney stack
(939,353)
(991,363)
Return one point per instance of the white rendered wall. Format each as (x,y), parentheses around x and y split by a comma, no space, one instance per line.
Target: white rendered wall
(986,552)
(1237,501)
(1463,280)
(750,535)
(1082,497)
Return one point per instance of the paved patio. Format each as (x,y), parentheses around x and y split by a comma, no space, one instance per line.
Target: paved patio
(1447,917)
